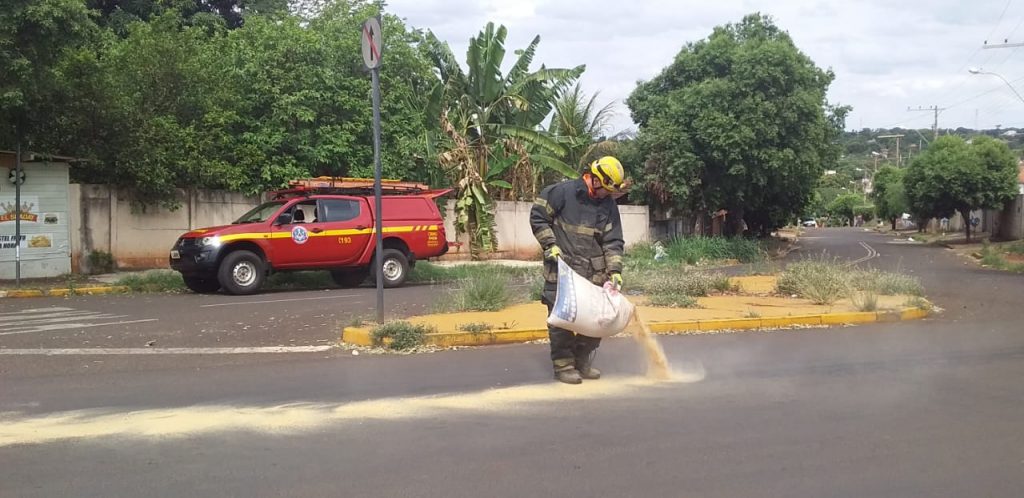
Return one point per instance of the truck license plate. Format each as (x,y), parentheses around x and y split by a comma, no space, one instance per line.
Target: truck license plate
(175,255)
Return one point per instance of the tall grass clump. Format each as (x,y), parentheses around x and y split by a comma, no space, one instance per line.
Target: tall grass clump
(479,293)
(685,283)
(821,280)
(886,283)
(403,335)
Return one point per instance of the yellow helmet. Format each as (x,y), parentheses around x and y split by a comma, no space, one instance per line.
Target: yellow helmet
(609,172)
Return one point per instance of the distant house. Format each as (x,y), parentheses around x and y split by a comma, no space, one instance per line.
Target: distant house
(1010,133)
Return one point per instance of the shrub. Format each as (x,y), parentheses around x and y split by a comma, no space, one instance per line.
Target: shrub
(682,282)
(101,262)
(403,335)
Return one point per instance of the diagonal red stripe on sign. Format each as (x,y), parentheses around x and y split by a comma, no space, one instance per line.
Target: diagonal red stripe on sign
(374,53)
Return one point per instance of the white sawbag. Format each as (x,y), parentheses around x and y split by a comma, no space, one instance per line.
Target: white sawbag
(588,309)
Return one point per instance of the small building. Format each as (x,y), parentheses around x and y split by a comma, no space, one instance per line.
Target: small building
(45,224)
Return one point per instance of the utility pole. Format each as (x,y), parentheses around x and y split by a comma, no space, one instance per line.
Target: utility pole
(897,137)
(936,110)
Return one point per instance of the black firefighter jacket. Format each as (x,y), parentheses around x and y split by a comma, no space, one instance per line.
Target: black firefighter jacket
(588,232)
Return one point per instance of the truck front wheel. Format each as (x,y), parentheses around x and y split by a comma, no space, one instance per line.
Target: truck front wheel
(396,267)
(241,272)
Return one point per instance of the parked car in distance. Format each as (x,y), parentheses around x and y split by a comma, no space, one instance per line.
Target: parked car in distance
(317,224)
(810,223)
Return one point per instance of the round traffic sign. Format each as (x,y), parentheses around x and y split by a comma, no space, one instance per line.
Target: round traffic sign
(372,41)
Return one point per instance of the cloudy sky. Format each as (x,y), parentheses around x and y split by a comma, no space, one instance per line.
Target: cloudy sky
(887,55)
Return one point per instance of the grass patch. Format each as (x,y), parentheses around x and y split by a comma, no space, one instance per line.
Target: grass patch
(1016,248)
(476,327)
(693,250)
(691,283)
(821,280)
(672,300)
(403,335)
(154,281)
(428,272)
(752,314)
(886,283)
(291,280)
(825,281)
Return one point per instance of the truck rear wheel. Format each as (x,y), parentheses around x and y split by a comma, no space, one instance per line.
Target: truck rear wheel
(202,285)
(241,272)
(396,267)
(350,278)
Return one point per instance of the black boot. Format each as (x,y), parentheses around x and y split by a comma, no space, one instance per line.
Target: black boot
(565,371)
(585,367)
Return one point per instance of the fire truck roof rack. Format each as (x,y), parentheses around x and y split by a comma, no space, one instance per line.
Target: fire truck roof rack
(347,186)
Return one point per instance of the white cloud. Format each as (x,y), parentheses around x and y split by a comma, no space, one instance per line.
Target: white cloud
(887,56)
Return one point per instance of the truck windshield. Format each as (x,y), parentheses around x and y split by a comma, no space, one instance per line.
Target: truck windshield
(260,213)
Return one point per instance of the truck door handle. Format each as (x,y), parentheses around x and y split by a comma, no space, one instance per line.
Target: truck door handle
(360,227)
(316,230)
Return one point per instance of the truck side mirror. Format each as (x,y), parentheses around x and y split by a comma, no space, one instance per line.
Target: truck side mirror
(283,219)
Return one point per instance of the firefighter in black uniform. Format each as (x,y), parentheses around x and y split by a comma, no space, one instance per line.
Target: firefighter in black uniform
(578,221)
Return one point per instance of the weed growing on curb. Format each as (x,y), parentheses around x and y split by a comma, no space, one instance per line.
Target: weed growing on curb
(821,280)
(919,303)
(478,293)
(752,314)
(476,327)
(101,262)
(403,335)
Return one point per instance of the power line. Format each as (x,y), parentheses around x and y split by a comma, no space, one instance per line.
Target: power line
(936,110)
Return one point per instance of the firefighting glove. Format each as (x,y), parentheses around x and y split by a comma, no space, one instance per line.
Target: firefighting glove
(553,253)
(617,280)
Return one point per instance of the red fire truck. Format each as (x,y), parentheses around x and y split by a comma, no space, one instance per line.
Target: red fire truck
(316,224)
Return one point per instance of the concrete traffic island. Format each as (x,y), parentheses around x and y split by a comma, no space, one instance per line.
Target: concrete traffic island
(753,306)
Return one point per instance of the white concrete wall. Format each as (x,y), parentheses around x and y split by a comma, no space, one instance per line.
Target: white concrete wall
(46,250)
(136,238)
(515,236)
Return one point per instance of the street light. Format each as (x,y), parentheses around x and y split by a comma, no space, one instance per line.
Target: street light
(975,70)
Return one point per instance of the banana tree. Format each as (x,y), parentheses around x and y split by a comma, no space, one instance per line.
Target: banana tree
(487,134)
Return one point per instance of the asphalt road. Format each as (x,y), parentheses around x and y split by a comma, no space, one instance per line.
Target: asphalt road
(928,408)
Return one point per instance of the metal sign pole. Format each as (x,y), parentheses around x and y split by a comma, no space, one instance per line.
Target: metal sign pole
(17,215)
(372,45)
(375,75)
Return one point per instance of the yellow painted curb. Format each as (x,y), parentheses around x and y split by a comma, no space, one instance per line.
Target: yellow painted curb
(363,336)
(25,293)
(78,291)
(357,335)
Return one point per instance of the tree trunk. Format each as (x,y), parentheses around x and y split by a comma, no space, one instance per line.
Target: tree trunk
(967,224)
(893,220)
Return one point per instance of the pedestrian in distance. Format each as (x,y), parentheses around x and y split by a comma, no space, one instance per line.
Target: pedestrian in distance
(578,222)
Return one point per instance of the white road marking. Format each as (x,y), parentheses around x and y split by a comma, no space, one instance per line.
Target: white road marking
(39,317)
(77,325)
(872,254)
(36,310)
(276,301)
(165,351)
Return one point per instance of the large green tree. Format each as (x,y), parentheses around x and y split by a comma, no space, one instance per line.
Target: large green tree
(34,36)
(953,176)
(890,195)
(738,121)
(488,137)
(171,103)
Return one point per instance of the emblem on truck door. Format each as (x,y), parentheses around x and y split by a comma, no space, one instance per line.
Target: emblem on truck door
(300,235)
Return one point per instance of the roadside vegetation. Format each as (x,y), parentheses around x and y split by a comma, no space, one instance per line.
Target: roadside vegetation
(1008,257)
(400,335)
(825,281)
(154,281)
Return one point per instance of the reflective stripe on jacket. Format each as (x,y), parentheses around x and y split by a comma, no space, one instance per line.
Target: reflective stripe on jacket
(588,231)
